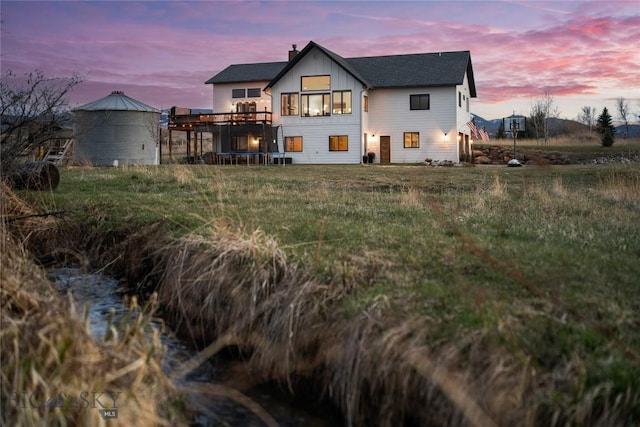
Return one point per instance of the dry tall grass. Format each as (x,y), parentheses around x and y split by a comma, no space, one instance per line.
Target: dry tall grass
(231,288)
(237,290)
(52,366)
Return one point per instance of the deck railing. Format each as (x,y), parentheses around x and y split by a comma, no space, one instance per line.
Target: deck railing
(189,121)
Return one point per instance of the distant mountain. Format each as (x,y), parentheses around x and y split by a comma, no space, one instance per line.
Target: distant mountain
(634,131)
(556,126)
(491,126)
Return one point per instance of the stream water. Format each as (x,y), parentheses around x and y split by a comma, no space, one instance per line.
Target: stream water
(100,296)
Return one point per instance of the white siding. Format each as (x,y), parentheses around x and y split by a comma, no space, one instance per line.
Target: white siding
(222,98)
(464,114)
(315,131)
(390,115)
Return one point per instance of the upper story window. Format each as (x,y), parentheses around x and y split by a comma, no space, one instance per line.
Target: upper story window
(313,83)
(460,99)
(246,107)
(238,93)
(316,104)
(254,92)
(419,102)
(292,143)
(342,102)
(289,104)
(365,103)
(412,140)
(338,143)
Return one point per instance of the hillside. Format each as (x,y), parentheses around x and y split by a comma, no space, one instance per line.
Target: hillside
(557,127)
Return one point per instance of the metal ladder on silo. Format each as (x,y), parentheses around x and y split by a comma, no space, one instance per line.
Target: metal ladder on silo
(56,153)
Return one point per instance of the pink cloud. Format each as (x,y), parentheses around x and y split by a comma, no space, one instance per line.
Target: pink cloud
(166,50)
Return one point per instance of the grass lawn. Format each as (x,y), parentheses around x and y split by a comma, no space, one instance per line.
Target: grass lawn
(544,260)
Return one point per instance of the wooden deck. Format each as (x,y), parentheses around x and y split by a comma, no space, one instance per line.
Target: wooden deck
(190,122)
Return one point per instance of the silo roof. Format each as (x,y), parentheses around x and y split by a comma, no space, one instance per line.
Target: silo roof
(116,101)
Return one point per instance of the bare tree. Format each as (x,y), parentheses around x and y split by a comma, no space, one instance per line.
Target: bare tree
(537,121)
(542,110)
(32,108)
(623,113)
(587,116)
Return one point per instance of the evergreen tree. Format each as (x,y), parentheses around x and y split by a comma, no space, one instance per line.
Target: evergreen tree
(605,128)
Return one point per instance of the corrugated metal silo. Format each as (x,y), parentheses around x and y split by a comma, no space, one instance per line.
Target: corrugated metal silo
(116,130)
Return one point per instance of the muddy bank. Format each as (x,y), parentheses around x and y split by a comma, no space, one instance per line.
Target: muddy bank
(104,305)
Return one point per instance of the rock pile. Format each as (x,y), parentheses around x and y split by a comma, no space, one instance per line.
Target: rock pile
(501,155)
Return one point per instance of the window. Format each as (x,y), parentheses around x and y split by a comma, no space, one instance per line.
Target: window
(289,104)
(311,83)
(246,107)
(240,143)
(412,140)
(365,103)
(237,93)
(467,105)
(460,99)
(342,102)
(419,102)
(316,105)
(253,92)
(292,143)
(338,143)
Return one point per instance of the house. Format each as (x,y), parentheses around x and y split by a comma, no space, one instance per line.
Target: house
(321,108)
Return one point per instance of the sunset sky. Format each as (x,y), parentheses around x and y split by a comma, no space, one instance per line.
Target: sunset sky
(584,53)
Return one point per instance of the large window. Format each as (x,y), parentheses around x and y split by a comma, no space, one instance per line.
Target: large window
(412,140)
(338,143)
(419,102)
(311,83)
(342,102)
(316,105)
(289,104)
(253,92)
(237,93)
(292,143)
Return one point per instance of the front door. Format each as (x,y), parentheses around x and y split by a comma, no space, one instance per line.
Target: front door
(385,149)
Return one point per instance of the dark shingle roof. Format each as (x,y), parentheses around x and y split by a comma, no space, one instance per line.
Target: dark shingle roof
(424,69)
(414,70)
(264,71)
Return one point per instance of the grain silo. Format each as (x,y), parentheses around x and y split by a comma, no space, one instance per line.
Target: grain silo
(116,130)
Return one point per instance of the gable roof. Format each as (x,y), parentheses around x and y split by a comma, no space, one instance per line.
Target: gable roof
(391,71)
(335,57)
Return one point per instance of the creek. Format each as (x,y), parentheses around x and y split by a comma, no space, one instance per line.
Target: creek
(102,298)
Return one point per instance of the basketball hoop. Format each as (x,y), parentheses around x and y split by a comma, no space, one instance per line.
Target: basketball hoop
(515,124)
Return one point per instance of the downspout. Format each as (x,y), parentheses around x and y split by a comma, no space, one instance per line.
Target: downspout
(362,126)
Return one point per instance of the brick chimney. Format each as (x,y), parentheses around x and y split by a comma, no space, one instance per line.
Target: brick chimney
(293,52)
